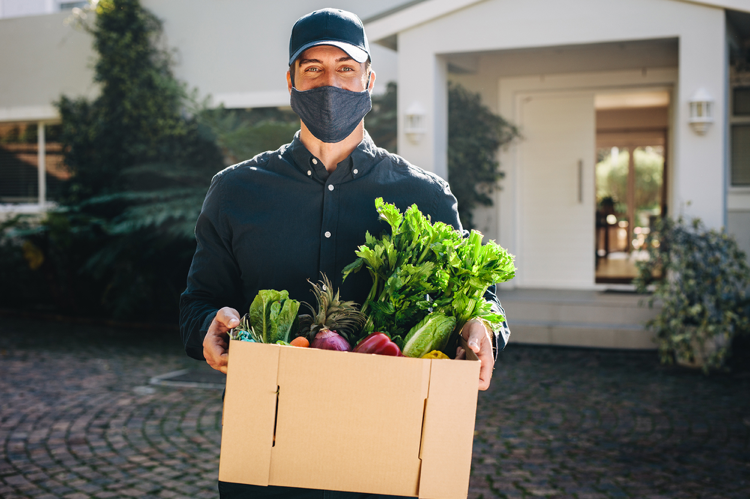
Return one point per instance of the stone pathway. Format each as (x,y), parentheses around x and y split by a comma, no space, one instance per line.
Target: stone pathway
(79,419)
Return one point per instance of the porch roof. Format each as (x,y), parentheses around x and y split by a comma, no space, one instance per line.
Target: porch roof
(384,27)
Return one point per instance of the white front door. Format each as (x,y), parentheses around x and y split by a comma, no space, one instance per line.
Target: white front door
(555,165)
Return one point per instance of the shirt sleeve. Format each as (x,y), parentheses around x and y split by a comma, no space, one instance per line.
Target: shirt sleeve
(213,279)
(446,210)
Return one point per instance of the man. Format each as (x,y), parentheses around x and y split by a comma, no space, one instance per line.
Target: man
(283,217)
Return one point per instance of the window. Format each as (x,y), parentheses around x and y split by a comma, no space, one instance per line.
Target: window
(21,163)
(72,5)
(741,155)
(740,137)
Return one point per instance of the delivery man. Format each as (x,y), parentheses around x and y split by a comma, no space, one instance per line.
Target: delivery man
(285,216)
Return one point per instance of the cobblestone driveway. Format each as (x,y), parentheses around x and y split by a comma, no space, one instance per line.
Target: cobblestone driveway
(78,419)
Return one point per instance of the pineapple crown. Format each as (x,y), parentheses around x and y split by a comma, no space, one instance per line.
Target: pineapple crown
(331,313)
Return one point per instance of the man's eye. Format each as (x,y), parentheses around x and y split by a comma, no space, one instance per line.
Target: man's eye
(347,68)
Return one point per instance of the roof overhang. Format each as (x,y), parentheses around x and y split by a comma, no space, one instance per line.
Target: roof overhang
(383,29)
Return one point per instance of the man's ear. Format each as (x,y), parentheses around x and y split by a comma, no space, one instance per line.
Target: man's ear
(289,81)
(372,81)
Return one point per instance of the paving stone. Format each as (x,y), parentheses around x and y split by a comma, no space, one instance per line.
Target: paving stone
(561,423)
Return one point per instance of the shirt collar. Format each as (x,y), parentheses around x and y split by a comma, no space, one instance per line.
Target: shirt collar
(361,160)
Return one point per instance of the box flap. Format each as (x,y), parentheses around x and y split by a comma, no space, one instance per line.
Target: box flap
(249,413)
(448,433)
(375,447)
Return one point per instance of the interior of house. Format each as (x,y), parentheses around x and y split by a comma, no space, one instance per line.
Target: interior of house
(631,178)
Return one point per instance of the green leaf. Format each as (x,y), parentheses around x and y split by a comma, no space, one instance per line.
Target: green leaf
(261,311)
(432,333)
(287,321)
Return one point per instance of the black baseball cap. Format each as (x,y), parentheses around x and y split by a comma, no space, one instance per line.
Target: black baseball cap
(335,27)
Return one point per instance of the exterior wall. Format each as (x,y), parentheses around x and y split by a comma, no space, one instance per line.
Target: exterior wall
(698,181)
(234,50)
(237,50)
(48,59)
(485,71)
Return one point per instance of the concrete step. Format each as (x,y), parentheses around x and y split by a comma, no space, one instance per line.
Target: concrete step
(578,318)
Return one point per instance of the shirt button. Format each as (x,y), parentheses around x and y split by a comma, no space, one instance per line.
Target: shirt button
(330,187)
(356,171)
(315,161)
(309,172)
(328,234)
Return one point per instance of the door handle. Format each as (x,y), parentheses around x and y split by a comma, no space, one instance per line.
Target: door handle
(580,181)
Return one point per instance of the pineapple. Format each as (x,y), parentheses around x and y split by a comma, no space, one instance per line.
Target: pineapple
(331,313)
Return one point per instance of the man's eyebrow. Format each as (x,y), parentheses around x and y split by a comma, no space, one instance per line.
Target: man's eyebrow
(311,61)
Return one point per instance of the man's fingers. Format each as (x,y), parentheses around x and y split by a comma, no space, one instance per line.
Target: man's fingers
(485,373)
(216,342)
(228,318)
(215,351)
(477,335)
(478,338)
(222,366)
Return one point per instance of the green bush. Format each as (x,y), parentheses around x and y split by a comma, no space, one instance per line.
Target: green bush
(141,157)
(703,292)
(475,134)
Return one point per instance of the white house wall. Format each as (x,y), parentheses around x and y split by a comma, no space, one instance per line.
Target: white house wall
(237,50)
(41,60)
(647,58)
(234,50)
(493,25)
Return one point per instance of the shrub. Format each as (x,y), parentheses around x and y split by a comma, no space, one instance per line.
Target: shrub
(703,292)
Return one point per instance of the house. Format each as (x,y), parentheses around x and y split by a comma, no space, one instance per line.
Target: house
(628,109)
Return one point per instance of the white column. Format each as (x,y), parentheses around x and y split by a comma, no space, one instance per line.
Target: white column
(699,188)
(42,167)
(423,79)
(440,123)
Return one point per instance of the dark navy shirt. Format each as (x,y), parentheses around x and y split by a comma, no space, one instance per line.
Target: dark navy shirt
(281,219)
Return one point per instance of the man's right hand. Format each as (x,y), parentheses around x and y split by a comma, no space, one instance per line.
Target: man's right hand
(216,342)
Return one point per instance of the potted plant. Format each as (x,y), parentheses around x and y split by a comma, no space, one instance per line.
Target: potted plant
(703,293)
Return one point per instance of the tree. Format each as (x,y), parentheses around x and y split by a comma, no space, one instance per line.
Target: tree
(474,136)
(382,121)
(140,157)
(140,115)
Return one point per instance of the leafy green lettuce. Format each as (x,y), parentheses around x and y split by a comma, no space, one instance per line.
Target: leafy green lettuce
(421,267)
(272,316)
(432,333)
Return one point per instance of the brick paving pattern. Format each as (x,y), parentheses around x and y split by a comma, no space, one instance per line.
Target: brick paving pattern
(78,419)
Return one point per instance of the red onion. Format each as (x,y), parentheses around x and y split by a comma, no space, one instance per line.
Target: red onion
(330,340)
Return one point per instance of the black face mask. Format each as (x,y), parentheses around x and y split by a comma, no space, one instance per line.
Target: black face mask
(330,113)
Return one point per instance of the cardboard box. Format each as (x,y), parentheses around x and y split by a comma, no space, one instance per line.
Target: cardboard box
(303,417)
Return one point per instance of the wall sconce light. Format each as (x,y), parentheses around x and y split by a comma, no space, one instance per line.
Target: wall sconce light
(414,125)
(701,111)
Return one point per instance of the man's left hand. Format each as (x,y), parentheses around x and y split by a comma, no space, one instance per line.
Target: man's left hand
(479,338)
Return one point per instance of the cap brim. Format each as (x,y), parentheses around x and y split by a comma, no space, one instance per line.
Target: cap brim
(355,53)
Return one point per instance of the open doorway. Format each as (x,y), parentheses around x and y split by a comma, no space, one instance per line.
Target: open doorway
(631,180)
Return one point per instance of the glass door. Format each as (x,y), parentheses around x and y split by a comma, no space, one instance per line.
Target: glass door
(630,195)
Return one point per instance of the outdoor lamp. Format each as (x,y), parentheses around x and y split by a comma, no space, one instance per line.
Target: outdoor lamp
(701,111)
(414,126)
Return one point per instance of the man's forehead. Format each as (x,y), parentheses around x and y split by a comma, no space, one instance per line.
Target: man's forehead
(323,50)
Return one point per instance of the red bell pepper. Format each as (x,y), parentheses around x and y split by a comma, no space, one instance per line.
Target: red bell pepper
(378,343)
